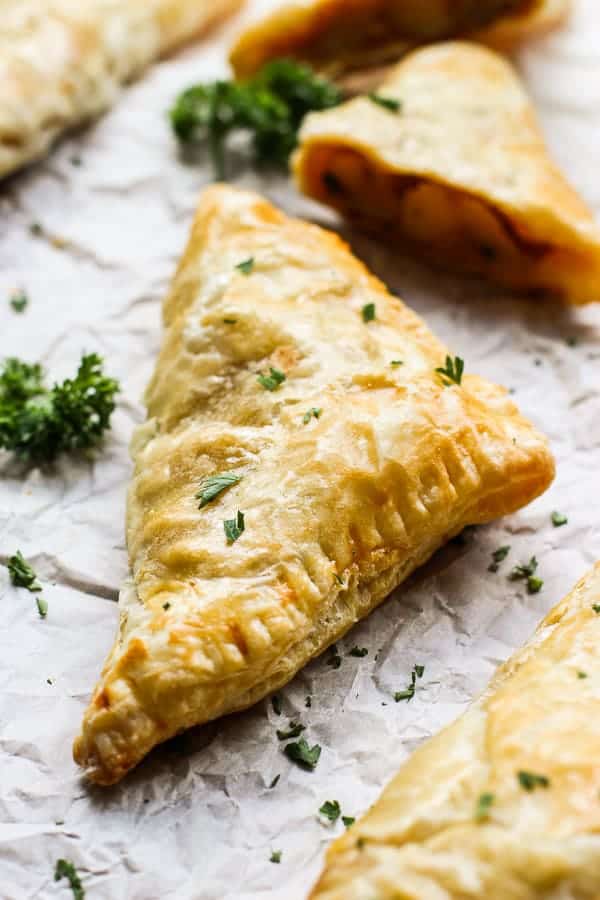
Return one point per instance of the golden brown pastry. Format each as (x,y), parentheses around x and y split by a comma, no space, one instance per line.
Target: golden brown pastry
(337,35)
(455,168)
(62,61)
(505,803)
(301,396)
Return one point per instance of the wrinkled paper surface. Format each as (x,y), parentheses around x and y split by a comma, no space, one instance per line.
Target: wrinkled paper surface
(197,820)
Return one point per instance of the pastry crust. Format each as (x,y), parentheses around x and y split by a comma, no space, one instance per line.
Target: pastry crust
(340,35)
(459,174)
(338,508)
(422,841)
(62,62)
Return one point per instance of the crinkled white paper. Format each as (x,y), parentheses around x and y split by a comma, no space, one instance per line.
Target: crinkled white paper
(197,820)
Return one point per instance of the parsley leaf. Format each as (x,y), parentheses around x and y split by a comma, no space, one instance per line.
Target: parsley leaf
(313,413)
(66,869)
(409,693)
(348,821)
(527,572)
(234,527)
(39,423)
(484,804)
(214,485)
(273,381)
(558,519)
(386,102)
(330,810)
(452,373)
(368,312)
(275,856)
(270,107)
(19,301)
(295,730)
(304,756)
(529,781)
(246,266)
(358,651)
(498,556)
(22,574)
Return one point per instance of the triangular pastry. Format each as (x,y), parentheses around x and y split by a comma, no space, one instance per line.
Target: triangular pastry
(62,61)
(447,160)
(338,35)
(301,457)
(503,804)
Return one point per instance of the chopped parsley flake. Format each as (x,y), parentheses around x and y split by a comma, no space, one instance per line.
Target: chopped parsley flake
(348,821)
(386,102)
(330,810)
(275,856)
(484,804)
(396,362)
(498,556)
(335,660)
(214,485)
(304,756)
(527,572)
(274,782)
(166,605)
(368,312)
(234,527)
(359,651)
(596,608)
(452,372)
(308,702)
(582,675)
(66,869)
(246,266)
(19,301)
(21,573)
(276,704)
(529,781)
(312,413)
(36,229)
(42,606)
(230,321)
(295,730)
(558,519)
(409,693)
(273,381)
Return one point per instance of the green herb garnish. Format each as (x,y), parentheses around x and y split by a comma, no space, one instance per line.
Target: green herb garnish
(42,606)
(334,660)
(596,607)
(234,527)
(308,702)
(396,362)
(274,782)
(484,804)
(38,423)
(368,312)
(358,651)
(270,107)
(22,574)
(527,572)
(529,781)
(275,856)
(273,381)
(304,756)
(558,519)
(214,485)
(386,102)
(313,413)
(276,704)
(498,556)
(330,810)
(19,301)
(66,869)
(409,693)
(295,730)
(246,266)
(582,675)
(452,373)
(348,821)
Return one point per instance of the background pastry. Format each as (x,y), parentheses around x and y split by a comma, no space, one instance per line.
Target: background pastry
(62,62)
(309,444)
(503,804)
(448,160)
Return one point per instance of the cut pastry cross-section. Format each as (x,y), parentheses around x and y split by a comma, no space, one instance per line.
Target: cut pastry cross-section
(63,61)
(447,159)
(340,35)
(503,804)
(302,456)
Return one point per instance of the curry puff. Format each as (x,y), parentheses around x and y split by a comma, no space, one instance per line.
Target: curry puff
(309,443)
(447,160)
(503,804)
(340,35)
(62,61)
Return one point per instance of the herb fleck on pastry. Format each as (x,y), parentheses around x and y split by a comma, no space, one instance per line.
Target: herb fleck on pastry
(258,537)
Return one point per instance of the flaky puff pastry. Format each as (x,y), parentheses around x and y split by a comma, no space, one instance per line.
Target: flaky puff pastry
(458,173)
(503,804)
(353,471)
(62,61)
(340,35)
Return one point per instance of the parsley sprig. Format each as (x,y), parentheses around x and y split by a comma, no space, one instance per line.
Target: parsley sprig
(269,107)
(39,423)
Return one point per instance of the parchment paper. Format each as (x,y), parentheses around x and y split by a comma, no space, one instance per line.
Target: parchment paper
(198,819)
